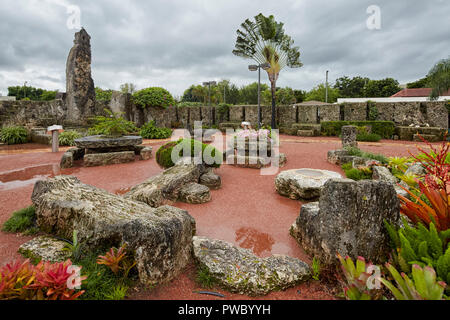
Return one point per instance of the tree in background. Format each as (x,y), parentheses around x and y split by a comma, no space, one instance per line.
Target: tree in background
(103,94)
(128,88)
(249,94)
(351,88)
(421,83)
(300,95)
(31,93)
(264,41)
(439,78)
(381,88)
(318,94)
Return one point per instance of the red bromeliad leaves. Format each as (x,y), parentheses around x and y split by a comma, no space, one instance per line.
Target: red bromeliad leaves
(435,187)
(113,258)
(53,279)
(13,278)
(46,281)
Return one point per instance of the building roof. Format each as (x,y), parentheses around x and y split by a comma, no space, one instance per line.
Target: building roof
(416,92)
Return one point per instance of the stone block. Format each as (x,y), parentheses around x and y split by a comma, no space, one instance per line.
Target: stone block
(103,159)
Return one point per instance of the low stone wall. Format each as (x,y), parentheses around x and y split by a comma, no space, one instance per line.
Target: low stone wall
(43,114)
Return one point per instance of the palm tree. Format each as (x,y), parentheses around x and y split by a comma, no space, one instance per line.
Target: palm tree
(439,78)
(264,41)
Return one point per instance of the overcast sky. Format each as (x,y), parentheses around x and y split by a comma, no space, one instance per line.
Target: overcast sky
(176,43)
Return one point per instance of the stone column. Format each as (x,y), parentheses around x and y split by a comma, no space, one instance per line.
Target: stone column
(349,136)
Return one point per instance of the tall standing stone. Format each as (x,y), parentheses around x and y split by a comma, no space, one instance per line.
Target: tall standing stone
(80,98)
(349,136)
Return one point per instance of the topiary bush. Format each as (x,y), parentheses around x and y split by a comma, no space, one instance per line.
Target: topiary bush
(14,135)
(150,131)
(153,97)
(164,153)
(67,138)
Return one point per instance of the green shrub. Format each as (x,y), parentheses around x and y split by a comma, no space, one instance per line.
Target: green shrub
(164,153)
(101,282)
(367,155)
(383,128)
(204,277)
(67,138)
(358,174)
(23,221)
(112,125)
(422,246)
(14,135)
(150,131)
(153,97)
(371,137)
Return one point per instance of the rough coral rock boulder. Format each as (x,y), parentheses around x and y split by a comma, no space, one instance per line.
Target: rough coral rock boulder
(145,153)
(103,159)
(194,193)
(66,160)
(383,174)
(303,183)
(210,179)
(45,248)
(165,187)
(348,219)
(240,271)
(161,238)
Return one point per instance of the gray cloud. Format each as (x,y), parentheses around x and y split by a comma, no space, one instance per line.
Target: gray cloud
(174,43)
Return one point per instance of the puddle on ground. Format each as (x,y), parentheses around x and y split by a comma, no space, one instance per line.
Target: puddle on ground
(258,242)
(20,178)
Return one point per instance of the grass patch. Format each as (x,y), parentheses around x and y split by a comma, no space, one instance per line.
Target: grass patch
(23,221)
(204,278)
(364,173)
(102,283)
(367,155)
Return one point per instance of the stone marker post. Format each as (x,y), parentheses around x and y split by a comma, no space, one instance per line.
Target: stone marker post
(349,136)
(55,136)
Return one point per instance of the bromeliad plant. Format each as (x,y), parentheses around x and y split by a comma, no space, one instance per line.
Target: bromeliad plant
(357,279)
(435,187)
(45,281)
(117,260)
(422,286)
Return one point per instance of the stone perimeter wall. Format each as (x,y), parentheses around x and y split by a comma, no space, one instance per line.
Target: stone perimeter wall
(37,113)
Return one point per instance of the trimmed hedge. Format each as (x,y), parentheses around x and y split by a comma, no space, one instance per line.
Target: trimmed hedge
(371,137)
(383,128)
(164,153)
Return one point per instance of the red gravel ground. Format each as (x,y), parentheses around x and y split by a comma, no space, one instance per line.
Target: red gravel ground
(246,211)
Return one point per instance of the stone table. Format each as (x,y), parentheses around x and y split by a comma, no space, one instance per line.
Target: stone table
(102,150)
(303,183)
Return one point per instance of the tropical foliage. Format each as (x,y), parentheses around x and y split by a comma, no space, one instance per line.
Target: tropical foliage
(264,40)
(113,125)
(45,281)
(67,138)
(439,78)
(14,135)
(150,131)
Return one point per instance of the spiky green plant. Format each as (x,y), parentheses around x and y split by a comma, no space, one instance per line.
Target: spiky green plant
(356,279)
(315,267)
(75,247)
(264,40)
(422,286)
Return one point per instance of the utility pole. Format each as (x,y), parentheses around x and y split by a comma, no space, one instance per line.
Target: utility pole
(326,88)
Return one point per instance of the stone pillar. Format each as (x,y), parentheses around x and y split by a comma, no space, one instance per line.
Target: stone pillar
(80,93)
(349,136)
